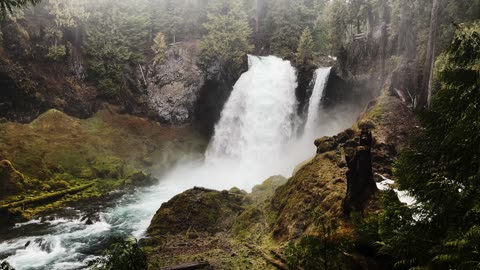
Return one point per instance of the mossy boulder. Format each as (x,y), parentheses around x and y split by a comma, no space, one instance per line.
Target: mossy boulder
(325,144)
(263,192)
(319,185)
(12,182)
(390,119)
(199,210)
(109,151)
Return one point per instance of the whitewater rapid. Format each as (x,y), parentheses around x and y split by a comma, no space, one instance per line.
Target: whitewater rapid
(256,137)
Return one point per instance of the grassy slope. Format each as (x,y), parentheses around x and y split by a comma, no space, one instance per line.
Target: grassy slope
(57,152)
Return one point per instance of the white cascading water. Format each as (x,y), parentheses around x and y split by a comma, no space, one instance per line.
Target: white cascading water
(313,123)
(252,141)
(258,118)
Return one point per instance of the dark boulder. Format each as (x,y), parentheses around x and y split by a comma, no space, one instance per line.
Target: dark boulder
(360,182)
(199,210)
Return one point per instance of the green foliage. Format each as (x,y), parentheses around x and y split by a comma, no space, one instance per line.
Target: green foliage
(337,26)
(68,14)
(285,22)
(171,20)
(8,6)
(56,53)
(159,48)
(323,251)
(226,42)
(441,169)
(123,254)
(6,266)
(108,88)
(304,55)
(116,33)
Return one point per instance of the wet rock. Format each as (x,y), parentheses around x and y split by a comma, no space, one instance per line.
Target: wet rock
(199,210)
(43,244)
(360,181)
(325,144)
(89,222)
(173,87)
(344,136)
(12,181)
(142,179)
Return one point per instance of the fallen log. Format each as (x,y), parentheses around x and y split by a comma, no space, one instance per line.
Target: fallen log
(45,198)
(188,266)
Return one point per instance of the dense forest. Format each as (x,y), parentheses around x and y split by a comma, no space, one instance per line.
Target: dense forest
(139,86)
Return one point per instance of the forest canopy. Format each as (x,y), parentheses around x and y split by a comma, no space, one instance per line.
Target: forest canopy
(118,35)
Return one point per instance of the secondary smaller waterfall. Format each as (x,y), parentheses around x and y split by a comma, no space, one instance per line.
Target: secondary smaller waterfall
(314,111)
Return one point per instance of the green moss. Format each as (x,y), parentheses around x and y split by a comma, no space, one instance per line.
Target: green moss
(109,151)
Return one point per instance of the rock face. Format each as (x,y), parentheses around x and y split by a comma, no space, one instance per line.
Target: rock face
(199,210)
(202,224)
(12,182)
(174,86)
(360,183)
(32,84)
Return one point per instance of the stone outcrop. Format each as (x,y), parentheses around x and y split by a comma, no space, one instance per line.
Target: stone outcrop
(203,224)
(199,210)
(12,182)
(360,182)
(173,87)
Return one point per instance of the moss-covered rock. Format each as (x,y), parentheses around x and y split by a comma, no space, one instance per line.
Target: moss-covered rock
(57,152)
(197,209)
(12,182)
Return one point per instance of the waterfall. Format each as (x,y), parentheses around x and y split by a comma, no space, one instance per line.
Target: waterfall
(258,118)
(314,111)
(255,138)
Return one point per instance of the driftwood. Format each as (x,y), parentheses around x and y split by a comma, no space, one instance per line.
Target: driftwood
(188,266)
(45,198)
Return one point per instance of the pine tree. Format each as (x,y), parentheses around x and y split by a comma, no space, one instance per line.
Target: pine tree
(159,48)
(304,55)
(7,6)
(227,41)
(286,20)
(117,33)
(171,20)
(441,169)
(336,14)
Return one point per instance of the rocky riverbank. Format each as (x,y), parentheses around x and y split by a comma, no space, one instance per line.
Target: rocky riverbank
(58,160)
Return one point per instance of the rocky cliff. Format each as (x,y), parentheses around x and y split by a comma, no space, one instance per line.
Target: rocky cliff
(173,87)
(32,84)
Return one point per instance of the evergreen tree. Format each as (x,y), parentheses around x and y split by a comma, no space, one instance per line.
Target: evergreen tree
(68,15)
(441,169)
(336,14)
(116,37)
(7,6)
(286,21)
(171,20)
(227,41)
(304,55)
(159,48)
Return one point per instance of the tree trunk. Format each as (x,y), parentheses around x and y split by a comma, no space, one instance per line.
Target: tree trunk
(370,20)
(430,56)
